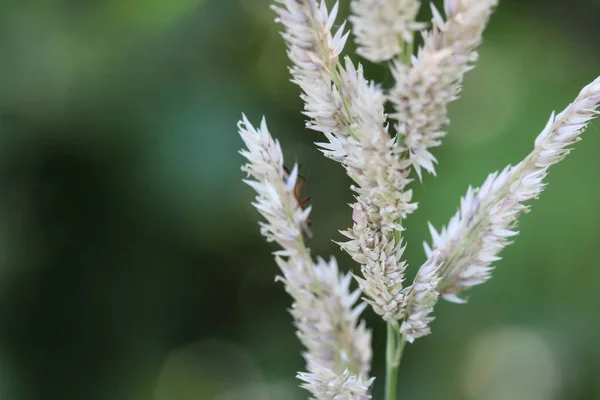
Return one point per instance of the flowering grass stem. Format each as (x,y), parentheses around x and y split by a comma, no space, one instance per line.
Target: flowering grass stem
(394,351)
(350,111)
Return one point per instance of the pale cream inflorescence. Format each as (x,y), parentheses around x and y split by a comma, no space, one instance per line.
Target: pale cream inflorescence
(488,216)
(380,257)
(338,345)
(350,111)
(314,52)
(434,77)
(384,29)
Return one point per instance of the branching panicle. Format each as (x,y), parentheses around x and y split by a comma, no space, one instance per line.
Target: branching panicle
(348,110)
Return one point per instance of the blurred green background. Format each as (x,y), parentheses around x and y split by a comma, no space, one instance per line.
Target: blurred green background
(131,263)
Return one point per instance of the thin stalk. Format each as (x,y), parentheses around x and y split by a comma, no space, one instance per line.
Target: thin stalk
(394,350)
(391,370)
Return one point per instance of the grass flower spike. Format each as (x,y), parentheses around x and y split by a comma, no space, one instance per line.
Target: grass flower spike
(314,52)
(359,140)
(338,352)
(349,111)
(434,77)
(488,216)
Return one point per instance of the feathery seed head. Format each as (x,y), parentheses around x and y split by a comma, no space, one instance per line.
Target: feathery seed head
(424,89)
(349,110)
(381,262)
(325,311)
(311,46)
(488,216)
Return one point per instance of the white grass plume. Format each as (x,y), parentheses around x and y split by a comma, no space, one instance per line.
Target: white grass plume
(338,345)
(434,77)
(349,110)
(488,216)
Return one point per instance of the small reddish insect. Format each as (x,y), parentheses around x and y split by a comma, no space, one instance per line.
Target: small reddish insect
(302,202)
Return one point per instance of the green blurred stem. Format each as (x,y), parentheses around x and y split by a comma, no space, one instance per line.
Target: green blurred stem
(394,350)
